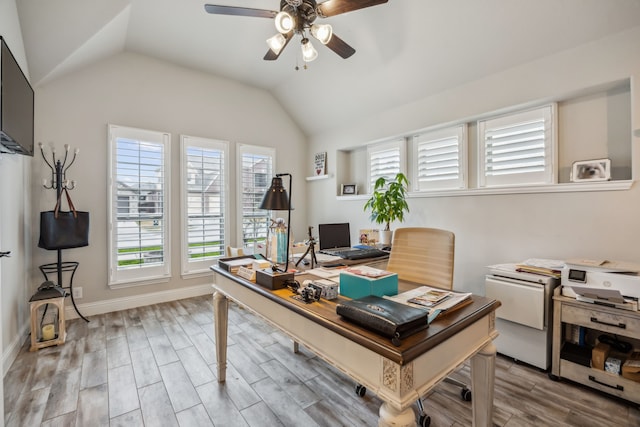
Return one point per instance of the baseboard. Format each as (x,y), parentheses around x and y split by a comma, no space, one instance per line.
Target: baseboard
(12,350)
(117,304)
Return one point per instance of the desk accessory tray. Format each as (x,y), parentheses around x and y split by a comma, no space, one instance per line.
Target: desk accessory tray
(388,318)
(233,264)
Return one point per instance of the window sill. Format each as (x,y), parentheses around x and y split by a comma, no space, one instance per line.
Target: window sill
(142,282)
(572,187)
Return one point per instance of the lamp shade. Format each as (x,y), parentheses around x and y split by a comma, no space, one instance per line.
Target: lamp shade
(322,32)
(309,53)
(276,197)
(284,22)
(276,43)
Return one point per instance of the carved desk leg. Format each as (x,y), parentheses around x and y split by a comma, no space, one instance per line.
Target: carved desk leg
(483,368)
(220,321)
(391,417)
(397,380)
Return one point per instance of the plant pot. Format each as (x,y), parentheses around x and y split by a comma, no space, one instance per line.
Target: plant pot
(385,237)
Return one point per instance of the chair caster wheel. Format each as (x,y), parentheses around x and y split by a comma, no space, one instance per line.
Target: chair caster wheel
(361,390)
(424,421)
(465,393)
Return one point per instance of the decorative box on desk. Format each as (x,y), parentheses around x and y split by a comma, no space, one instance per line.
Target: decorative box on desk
(234,263)
(362,281)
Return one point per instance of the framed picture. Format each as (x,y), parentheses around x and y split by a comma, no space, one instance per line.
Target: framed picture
(320,164)
(369,236)
(591,170)
(349,189)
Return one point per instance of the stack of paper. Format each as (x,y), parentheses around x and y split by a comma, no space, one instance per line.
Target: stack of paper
(545,267)
(447,303)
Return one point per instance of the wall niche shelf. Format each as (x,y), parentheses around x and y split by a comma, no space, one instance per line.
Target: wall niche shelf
(318,177)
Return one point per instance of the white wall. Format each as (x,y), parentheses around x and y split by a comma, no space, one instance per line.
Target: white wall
(15,232)
(133,90)
(506,228)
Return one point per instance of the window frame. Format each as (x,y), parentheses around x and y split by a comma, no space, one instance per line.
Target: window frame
(548,113)
(126,277)
(399,144)
(190,266)
(460,132)
(243,149)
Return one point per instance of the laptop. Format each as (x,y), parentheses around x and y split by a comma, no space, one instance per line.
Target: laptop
(335,239)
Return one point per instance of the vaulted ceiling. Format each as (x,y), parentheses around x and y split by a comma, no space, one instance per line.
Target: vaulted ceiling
(405,49)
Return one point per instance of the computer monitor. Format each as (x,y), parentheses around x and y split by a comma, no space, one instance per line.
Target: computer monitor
(334,236)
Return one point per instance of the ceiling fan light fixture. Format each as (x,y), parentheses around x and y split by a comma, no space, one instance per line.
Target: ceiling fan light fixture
(309,53)
(284,22)
(322,32)
(276,43)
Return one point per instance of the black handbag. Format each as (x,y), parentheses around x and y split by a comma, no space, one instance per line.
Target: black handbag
(389,318)
(64,229)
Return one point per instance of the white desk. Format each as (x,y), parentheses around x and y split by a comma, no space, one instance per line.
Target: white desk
(397,375)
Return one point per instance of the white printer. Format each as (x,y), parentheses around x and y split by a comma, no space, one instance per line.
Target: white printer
(613,275)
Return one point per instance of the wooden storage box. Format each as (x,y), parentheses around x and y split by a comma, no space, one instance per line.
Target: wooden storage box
(599,355)
(631,367)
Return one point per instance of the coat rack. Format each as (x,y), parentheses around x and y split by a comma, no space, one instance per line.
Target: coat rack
(59,182)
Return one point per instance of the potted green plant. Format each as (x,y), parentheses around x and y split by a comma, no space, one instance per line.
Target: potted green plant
(388,203)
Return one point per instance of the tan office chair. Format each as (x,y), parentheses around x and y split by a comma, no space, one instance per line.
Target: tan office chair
(425,256)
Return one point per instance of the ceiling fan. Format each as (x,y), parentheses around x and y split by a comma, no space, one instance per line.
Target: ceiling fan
(298,17)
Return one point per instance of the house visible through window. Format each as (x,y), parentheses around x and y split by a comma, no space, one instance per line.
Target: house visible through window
(255,169)
(139,176)
(204,202)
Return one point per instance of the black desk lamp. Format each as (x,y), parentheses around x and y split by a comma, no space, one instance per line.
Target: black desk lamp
(277,199)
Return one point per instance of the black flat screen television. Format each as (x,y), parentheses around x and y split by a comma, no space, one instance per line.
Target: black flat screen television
(16,105)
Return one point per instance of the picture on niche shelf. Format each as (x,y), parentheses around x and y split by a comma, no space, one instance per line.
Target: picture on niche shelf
(591,170)
(349,189)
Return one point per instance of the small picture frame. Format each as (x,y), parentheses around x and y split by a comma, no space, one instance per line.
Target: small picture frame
(349,190)
(591,170)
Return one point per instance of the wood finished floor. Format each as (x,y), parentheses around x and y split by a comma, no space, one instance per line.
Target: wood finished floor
(155,366)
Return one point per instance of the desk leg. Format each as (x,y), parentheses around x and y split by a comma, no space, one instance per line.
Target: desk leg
(483,368)
(220,322)
(391,417)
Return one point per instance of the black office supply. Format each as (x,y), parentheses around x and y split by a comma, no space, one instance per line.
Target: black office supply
(388,318)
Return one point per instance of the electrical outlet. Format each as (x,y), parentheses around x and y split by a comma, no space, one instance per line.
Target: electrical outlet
(77,292)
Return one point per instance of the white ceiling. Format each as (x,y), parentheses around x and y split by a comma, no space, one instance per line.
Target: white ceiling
(405,49)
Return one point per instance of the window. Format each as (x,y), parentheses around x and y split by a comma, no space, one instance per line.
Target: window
(139,174)
(385,160)
(255,169)
(519,148)
(204,202)
(439,159)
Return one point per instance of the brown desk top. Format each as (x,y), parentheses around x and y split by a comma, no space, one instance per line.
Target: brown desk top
(323,312)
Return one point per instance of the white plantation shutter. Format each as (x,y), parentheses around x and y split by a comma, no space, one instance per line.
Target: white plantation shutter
(255,171)
(519,148)
(385,160)
(139,196)
(204,202)
(440,158)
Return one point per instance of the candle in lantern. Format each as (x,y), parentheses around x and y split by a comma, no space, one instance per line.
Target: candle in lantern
(48,332)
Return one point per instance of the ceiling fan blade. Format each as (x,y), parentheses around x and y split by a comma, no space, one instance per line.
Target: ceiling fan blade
(239,11)
(340,47)
(271,55)
(336,7)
